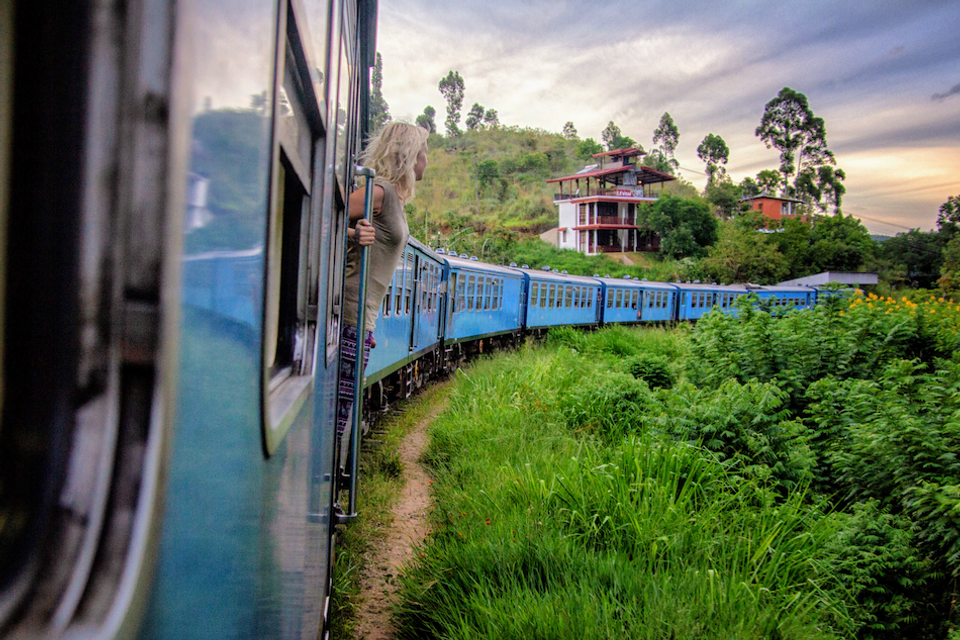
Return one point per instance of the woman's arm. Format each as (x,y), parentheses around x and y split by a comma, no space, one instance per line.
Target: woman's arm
(357,201)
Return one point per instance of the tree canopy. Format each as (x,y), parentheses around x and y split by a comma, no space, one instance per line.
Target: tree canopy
(686,225)
(839,243)
(667,136)
(613,138)
(789,125)
(475,116)
(427,119)
(452,88)
(570,131)
(713,151)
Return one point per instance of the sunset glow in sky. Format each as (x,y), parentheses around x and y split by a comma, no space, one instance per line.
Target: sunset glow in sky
(885,77)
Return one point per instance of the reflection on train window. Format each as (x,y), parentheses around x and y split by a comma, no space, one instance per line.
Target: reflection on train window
(543,295)
(568,297)
(552,296)
(471,292)
(535,294)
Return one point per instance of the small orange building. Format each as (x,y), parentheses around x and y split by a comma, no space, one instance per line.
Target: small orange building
(775,207)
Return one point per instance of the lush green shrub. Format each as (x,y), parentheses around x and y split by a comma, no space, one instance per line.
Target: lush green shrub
(654,370)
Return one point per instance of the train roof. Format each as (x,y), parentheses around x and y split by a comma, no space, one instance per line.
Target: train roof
(709,286)
(465,263)
(640,284)
(543,274)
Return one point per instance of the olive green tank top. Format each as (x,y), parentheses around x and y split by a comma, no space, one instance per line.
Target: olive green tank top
(392,233)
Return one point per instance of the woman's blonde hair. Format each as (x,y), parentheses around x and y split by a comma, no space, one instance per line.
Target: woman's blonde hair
(393,152)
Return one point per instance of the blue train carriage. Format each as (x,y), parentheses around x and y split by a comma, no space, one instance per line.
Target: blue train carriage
(696,299)
(484,306)
(783,298)
(659,301)
(621,300)
(554,299)
(408,332)
(166,450)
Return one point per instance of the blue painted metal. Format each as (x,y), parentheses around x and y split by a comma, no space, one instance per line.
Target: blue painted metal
(484,300)
(555,299)
(787,297)
(696,300)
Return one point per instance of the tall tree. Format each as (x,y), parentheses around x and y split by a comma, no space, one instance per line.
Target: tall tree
(491,119)
(427,119)
(452,87)
(788,125)
(475,117)
(613,138)
(667,135)
(714,151)
(569,131)
(379,109)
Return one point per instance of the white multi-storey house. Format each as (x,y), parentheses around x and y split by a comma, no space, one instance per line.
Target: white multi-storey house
(598,205)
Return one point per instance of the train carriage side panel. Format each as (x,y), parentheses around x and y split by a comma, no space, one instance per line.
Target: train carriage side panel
(484,300)
(558,299)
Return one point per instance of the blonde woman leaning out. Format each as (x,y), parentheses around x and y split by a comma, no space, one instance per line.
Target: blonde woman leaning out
(398,155)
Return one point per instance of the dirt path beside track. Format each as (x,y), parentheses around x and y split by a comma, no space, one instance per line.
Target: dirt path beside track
(409,528)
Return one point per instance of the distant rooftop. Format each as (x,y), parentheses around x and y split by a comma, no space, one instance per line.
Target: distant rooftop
(770,197)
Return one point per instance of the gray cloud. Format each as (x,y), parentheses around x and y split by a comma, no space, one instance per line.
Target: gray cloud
(940,97)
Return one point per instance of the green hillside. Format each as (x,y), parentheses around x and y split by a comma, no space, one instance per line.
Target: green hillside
(485,194)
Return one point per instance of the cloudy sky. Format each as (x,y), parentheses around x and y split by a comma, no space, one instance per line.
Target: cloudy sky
(885,76)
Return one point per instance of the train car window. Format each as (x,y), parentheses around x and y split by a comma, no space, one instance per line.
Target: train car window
(543,295)
(609,298)
(534,294)
(398,289)
(567,296)
(471,291)
(502,285)
(408,284)
(551,297)
(461,286)
(619,299)
(576,297)
(386,301)
(478,295)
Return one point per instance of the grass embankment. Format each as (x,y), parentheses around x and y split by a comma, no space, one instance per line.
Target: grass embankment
(749,478)
(554,519)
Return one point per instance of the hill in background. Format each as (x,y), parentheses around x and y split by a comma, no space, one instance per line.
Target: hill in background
(485,194)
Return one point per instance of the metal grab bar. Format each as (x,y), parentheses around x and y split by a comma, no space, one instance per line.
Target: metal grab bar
(354,450)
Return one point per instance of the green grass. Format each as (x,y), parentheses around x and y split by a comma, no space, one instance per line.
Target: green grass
(558,517)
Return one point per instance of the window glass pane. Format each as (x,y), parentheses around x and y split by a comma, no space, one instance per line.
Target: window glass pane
(408,285)
(461,300)
(470,292)
(543,295)
(387,299)
(619,303)
(534,294)
(609,298)
(398,288)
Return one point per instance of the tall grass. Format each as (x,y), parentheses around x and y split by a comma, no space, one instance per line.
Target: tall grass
(546,526)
